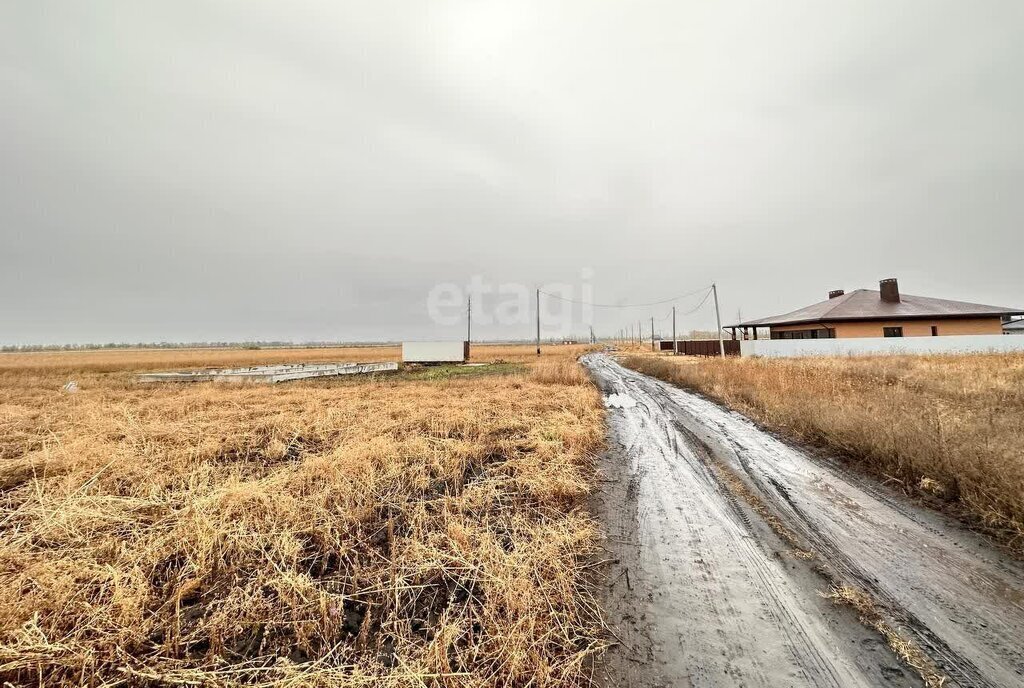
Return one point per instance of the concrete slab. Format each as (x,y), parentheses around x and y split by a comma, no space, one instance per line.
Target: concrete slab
(269,374)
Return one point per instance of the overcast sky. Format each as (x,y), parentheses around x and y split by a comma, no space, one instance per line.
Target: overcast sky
(311,170)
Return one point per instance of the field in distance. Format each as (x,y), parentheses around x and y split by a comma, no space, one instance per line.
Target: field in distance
(382,531)
(123,360)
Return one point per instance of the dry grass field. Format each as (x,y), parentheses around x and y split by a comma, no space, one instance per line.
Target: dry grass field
(947,426)
(377,532)
(130,360)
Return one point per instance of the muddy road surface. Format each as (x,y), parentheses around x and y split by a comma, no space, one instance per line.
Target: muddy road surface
(705,592)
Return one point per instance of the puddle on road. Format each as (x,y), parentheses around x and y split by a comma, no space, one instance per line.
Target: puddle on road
(623,401)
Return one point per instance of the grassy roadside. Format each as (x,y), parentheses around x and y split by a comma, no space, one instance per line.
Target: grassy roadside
(400,531)
(947,427)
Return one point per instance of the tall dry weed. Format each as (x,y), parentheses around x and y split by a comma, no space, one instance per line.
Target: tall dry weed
(561,371)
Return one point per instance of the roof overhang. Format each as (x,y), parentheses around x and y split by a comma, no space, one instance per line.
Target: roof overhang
(874,318)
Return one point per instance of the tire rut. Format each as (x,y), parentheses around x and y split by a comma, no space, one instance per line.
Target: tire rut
(712,597)
(961,600)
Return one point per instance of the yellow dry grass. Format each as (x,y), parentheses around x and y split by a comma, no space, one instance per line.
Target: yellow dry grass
(124,360)
(525,353)
(563,371)
(949,426)
(388,532)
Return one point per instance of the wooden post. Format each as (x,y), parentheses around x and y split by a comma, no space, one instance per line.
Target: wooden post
(718,320)
(675,346)
(538,322)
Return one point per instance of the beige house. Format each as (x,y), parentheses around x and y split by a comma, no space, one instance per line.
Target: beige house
(881,313)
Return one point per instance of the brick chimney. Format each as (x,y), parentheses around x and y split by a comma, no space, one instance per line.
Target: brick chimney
(890,289)
(835,292)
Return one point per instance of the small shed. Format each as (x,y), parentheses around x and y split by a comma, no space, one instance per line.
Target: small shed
(435,352)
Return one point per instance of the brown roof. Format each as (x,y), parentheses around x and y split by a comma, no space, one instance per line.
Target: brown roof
(867,304)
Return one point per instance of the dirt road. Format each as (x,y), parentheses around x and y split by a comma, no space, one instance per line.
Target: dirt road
(707,594)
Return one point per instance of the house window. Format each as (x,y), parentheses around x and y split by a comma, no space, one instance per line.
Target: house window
(892,331)
(935,330)
(820,333)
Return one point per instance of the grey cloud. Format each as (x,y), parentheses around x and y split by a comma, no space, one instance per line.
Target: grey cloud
(220,170)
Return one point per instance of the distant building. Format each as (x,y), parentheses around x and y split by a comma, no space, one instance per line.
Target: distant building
(881,313)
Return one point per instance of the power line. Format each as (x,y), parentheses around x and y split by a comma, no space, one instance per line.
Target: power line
(698,306)
(630,305)
(693,310)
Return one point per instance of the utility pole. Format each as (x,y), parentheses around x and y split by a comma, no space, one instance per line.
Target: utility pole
(639,333)
(718,321)
(675,346)
(469,319)
(652,333)
(538,322)
(592,340)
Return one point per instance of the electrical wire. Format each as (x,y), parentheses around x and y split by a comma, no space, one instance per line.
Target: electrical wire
(698,306)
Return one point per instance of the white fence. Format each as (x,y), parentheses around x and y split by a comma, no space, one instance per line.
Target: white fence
(861,346)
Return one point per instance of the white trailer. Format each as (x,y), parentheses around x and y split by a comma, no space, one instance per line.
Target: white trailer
(435,352)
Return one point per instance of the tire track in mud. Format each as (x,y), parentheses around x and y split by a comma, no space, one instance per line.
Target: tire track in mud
(947,603)
(710,599)
(960,600)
